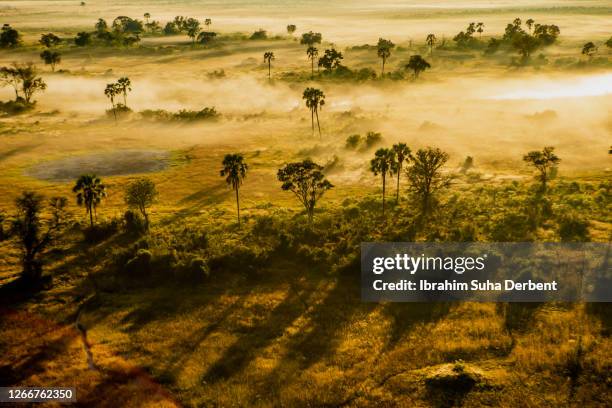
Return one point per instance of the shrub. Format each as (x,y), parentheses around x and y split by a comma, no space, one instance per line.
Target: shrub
(259,35)
(133,223)
(140,264)
(573,228)
(372,139)
(352,141)
(181,116)
(15,107)
(195,271)
(101,231)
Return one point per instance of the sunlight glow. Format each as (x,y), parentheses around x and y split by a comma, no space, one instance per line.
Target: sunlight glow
(595,85)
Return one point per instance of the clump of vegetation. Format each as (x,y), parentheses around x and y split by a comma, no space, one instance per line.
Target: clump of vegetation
(24,80)
(9,37)
(259,35)
(183,115)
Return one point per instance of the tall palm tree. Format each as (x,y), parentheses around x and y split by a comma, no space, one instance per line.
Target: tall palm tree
(479,29)
(315,99)
(402,154)
(312,53)
(269,57)
(382,164)
(89,192)
(124,85)
(431,41)
(234,170)
(111,91)
(383,51)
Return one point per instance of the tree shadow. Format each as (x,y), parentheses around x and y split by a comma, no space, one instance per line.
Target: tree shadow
(407,315)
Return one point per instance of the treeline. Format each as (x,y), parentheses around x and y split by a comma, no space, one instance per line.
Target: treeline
(35,230)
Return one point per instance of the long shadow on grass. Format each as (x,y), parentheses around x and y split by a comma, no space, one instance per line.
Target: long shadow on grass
(198,200)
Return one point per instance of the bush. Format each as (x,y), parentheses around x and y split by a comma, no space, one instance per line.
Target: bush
(352,141)
(372,139)
(259,35)
(120,111)
(15,107)
(195,271)
(181,116)
(133,223)
(101,231)
(573,228)
(140,265)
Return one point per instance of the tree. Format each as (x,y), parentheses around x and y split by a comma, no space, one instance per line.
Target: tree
(529,24)
(268,58)
(101,25)
(609,42)
(192,27)
(383,164)
(141,194)
(206,37)
(89,192)
(525,44)
(291,29)
(111,91)
(9,76)
(315,99)
(479,29)
(147,16)
(424,176)
(51,58)
(23,78)
(431,41)
(310,38)
(28,227)
(306,180)
(417,64)
(589,49)
(234,170)
(312,53)
(330,59)
(124,85)
(383,50)
(402,154)
(207,23)
(9,37)
(49,40)
(82,39)
(545,162)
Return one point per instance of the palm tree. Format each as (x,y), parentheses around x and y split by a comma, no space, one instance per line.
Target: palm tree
(111,91)
(268,57)
(382,164)
(431,41)
(402,154)
(89,192)
(234,170)
(384,48)
(479,29)
(207,23)
(315,99)
(417,64)
(529,23)
(124,85)
(147,16)
(312,53)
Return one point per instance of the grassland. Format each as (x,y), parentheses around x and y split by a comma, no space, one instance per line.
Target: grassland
(279,321)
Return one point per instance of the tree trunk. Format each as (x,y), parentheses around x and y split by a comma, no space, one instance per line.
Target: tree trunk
(399,172)
(383,68)
(143,210)
(312,71)
(384,184)
(238,206)
(312,120)
(318,124)
(269,69)
(91,216)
